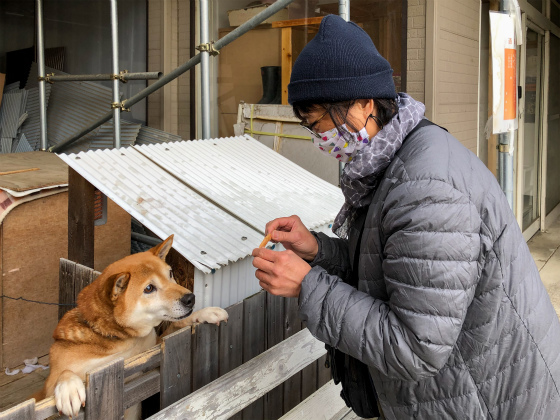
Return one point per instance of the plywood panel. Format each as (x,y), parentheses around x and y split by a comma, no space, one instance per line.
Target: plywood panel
(34,238)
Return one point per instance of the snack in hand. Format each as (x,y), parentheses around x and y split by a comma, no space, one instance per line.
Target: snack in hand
(266,239)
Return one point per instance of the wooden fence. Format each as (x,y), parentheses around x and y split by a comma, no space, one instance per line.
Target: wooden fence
(185,362)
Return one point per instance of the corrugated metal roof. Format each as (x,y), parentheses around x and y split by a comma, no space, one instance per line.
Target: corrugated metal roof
(103,139)
(149,135)
(21,145)
(204,234)
(11,87)
(249,180)
(10,111)
(5,144)
(32,125)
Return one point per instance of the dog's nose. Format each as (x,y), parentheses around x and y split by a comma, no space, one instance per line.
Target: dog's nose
(188,300)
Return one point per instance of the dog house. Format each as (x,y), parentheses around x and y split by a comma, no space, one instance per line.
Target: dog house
(216,197)
(33,238)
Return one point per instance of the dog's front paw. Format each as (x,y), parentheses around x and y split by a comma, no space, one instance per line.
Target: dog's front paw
(210,315)
(69,394)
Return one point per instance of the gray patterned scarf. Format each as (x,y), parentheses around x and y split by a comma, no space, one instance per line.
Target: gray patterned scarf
(361,176)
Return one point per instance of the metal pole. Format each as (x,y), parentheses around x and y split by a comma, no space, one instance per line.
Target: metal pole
(124,77)
(344,13)
(344,9)
(41,65)
(204,70)
(116,94)
(172,75)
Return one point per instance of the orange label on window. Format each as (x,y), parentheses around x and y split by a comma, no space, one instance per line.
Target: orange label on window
(510,84)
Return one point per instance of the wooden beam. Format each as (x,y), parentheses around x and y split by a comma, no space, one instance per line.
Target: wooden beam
(81,196)
(286,61)
(235,390)
(297,22)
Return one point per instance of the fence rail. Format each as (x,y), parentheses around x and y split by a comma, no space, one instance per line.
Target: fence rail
(187,361)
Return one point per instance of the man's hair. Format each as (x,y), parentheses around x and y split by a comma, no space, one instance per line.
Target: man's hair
(338,111)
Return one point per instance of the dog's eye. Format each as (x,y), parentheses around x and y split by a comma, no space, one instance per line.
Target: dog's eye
(149,288)
(170,274)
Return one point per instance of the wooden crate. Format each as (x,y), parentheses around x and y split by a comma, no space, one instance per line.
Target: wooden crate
(33,238)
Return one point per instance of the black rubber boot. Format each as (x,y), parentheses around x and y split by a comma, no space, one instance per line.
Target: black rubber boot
(272,89)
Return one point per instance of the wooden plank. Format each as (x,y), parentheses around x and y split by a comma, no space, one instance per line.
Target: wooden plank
(204,355)
(66,286)
(141,388)
(176,367)
(292,325)
(23,411)
(143,362)
(323,372)
(230,346)
(47,408)
(82,277)
(320,405)
(274,400)
(286,60)
(308,380)
(254,342)
(235,390)
(80,219)
(297,22)
(104,392)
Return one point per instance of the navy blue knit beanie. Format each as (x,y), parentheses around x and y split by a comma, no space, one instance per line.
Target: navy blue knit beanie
(340,63)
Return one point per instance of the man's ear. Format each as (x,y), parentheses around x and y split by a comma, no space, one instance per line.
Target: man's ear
(162,249)
(120,282)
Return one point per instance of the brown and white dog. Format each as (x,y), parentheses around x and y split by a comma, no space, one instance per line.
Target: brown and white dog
(116,317)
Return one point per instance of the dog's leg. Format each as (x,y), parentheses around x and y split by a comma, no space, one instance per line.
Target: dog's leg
(69,393)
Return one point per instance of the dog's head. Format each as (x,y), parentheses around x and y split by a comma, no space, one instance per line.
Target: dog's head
(143,291)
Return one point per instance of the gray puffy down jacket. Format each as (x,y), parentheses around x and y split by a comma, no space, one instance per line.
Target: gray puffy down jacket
(450,312)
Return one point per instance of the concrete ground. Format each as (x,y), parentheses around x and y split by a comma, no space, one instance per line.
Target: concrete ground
(544,247)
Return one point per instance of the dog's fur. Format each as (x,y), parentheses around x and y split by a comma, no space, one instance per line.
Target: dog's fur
(116,317)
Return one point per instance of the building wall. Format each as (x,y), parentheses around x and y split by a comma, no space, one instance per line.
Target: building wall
(416,49)
(452,67)
(168,47)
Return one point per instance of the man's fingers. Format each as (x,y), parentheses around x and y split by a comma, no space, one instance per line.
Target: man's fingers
(289,237)
(263,265)
(265,254)
(282,223)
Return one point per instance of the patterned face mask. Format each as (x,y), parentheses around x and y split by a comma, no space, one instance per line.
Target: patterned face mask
(342,144)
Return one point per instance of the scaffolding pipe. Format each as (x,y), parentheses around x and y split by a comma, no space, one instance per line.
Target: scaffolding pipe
(41,65)
(344,13)
(172,75)
(344,9)
(123,77)
(205,69)
(116,94)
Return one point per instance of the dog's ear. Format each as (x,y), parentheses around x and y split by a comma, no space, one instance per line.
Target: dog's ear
(163,249)
(120,282)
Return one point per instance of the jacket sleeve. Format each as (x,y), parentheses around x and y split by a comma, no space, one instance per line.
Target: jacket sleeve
(332,255)
(430,268)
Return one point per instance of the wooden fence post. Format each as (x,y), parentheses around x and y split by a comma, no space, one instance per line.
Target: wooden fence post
(81,197)
(66,296)
(254,342)
(230,350)
(176,367)
(205,355)
(104,392)
(292,325)
(274,400)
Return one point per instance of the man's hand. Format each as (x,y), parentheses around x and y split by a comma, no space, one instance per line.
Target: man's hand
(294,236)
(280,272)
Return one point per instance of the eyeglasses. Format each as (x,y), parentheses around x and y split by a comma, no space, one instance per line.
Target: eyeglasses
(309,127)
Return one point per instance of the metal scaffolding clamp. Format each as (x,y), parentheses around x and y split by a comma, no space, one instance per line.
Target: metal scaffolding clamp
(47,78)
(120,76)
(209,48)
(119,105)
(503,148)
